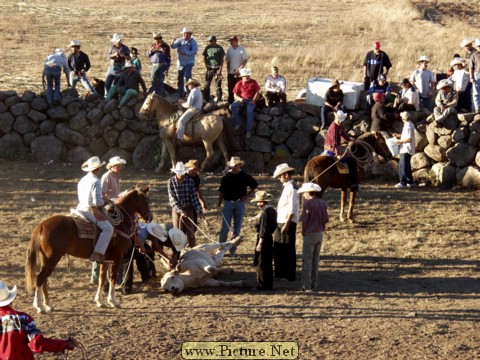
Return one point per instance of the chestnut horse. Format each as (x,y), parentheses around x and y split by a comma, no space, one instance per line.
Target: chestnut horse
(208,130)
(323,170)
(57,236)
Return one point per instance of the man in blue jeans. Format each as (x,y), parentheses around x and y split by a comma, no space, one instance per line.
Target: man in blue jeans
(233,193)
(52,71)
(245,93)
(159,54)
(187,48)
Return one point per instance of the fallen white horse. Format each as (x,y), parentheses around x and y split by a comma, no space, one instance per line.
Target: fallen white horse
(198,266)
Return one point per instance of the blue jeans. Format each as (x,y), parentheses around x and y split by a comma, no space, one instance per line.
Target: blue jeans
(235,209)
(111,78)
(476,93)
(237,118)
(158,77)
(425,102)
(405,169)
(52,75)
(74,79)
(184,74)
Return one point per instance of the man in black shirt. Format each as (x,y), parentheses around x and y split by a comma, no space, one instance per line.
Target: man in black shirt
(233,193)
(79,64)
(374,64)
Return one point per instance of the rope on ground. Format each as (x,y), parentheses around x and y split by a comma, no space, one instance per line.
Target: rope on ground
(82,349)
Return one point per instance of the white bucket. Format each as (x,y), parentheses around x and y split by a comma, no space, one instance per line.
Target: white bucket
(393,146)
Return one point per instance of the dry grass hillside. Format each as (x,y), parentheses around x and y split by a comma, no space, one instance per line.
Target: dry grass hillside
(305,39)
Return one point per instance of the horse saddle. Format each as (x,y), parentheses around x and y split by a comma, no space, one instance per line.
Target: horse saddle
(342,168)
(85,228)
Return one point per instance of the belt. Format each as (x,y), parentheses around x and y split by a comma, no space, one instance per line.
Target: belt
(159,63)
(233,200)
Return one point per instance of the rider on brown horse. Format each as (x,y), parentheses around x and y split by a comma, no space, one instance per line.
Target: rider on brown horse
(333,147)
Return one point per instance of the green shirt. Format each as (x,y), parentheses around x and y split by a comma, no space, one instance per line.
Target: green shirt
(213,55)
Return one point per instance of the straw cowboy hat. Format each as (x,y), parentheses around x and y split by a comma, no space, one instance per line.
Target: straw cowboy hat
(116,160)
(340,116)
(443,84)
(245,72)
(186,29)
(179,168)
(6,295)
(423,58)
(74,43)
(157,35)
(457,61)
(193,81)
(309,187)
(335,83)
(179,239)
(282,169)
(157,230)
(192,164)
(235,160)
(261,196)
(116,38)
(466,41)
(92,164)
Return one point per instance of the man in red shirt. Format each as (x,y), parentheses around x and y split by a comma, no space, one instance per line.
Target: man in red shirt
(245,93)
(19,336)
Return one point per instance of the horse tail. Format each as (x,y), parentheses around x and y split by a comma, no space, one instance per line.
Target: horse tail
(31,260)
(227,136)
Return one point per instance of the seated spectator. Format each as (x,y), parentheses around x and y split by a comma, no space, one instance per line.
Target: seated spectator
(407,99)
(462,85)
(79,64)
(333,102)
(246,92)
(135,60)
(380,119)
(128,85)
(275,86)
(446,102)
(382,86)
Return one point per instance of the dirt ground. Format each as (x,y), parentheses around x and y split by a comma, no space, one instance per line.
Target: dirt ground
(402,282)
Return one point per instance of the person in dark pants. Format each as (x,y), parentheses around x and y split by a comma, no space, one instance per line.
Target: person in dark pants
(236,58)
(213,56)
(333,102)
(265,227)
(376,62)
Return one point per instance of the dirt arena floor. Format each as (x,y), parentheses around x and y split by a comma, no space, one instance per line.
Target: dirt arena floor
(400,283)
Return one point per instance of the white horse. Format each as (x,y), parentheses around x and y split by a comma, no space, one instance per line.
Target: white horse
(209,129)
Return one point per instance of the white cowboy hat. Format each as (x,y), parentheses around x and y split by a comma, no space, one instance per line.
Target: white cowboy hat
(92,164)
(58,50)
(281,169)
(116,160)
(457,61)
(179,168)
(423,58)
(443,84)
(245,72)
(466,42)
(74,43)
(158,230)
(6,295)
(340,115)
(186,29)
(477,42)
(179,239)
(116,38)
(309,187)
(261,196)
(157,34)
(405,115)
(193,81)
(128,65)
(235,160)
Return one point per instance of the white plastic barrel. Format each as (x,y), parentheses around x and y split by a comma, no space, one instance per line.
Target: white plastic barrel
(317,88)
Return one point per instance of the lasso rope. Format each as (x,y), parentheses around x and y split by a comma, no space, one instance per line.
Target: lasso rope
(112,213)
(82,349)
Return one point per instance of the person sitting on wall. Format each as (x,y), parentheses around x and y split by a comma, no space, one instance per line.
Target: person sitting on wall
(333,102)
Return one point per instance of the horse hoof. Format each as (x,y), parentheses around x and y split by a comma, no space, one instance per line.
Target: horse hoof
(48,308)
(41,311)
(342,219)
(350,221)
(115,305)
(100,305)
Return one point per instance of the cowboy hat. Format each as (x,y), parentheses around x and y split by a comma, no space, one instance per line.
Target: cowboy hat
(157,230)
(477,42)
(179,168)
(335,83)
(340,115)
(116,38)
(309,187)
(74,43)
(192,164)
(261,196)
(58,50)
(457,61)
(128,65)
(281,169)
(179,239)
(405,115)
(157,35)
(6,295)
(92,164)
(235,160)
(245,72)
(193,81)
(116,160)
(186,29)
(466,41)
(443,84)
(423,58)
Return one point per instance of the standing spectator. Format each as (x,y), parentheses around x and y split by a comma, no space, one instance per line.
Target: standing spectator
(19,336)
(406,140)
(193,172)
(462,85)
(135,60)
(446,102)
(111,179)
(214,56)
(333,101)
(118,55)
(265,227)
(128,85)
(183,198)
(79,64)
(287,219)
(469,49)
(380,120)
(376,62)
(52,71)
(236,58)
(407,99)
(380,85)
(424,81)
(475,76)
(275,85)
(159,54)
(246,92)
(314,218)
(233,193)
(193,106)
(186,50)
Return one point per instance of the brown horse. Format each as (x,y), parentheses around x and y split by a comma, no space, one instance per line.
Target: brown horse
(207,130)
(323,170)
(57,236)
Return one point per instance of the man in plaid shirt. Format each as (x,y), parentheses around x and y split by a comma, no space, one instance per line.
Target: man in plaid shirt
(183,198)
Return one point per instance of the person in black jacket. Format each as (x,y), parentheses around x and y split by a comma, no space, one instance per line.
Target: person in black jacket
(79,64)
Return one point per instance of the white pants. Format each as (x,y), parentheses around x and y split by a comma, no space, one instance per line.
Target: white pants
(183,121)
(106,234)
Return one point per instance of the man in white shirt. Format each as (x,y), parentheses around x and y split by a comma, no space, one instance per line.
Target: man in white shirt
(462,85)
(89,202)
(406,140)
(236,59)
(424,81)
(275,86)
(193,105)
